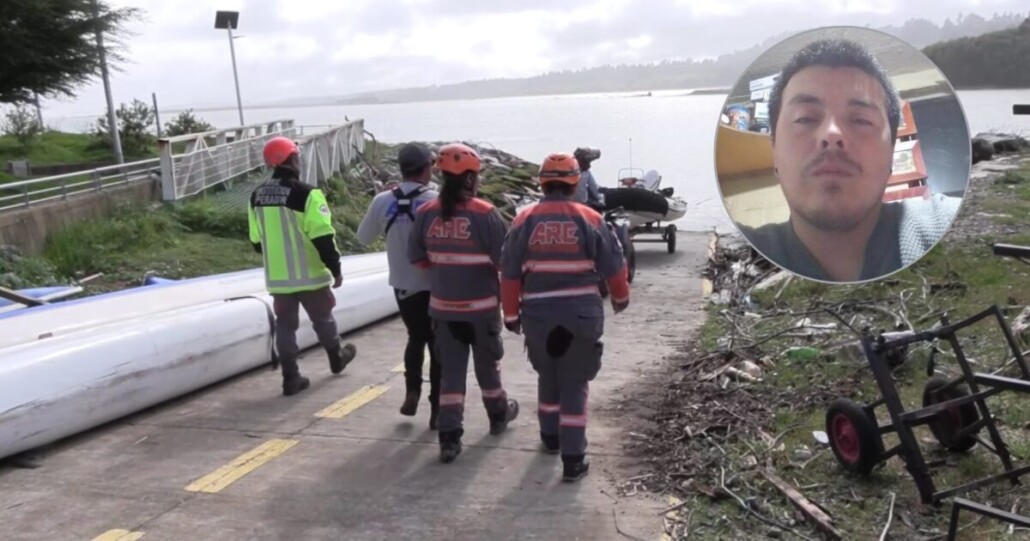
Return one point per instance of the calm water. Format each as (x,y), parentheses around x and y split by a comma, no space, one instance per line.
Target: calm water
(670,132)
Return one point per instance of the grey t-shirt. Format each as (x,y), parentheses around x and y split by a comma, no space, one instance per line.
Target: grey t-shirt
(906,230)
(403,275)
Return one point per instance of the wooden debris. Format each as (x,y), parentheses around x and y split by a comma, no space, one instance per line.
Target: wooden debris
(813,513)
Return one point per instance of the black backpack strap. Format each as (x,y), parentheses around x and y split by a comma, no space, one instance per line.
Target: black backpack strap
(404,204)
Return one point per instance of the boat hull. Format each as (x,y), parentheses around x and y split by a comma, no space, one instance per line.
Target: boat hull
(57,387)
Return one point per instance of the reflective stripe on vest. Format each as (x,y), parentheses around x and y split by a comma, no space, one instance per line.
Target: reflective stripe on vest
(444,258)
(570,292)
(464,306)
(559,266)
(298,271)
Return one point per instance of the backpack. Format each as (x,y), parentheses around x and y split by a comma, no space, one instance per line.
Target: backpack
(405,203)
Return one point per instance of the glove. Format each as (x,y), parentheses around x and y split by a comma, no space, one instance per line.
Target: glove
(619,306)
(514,326)
(337,281)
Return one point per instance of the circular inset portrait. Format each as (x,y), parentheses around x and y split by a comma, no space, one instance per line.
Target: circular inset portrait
(842,154)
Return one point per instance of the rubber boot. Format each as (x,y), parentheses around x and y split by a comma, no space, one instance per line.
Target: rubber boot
(450,445)
(552,446)
(499,421)
(410,405)
(295,384)
(574,467)
(340,357)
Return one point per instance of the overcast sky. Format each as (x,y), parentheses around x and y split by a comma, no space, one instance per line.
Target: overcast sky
(337,47)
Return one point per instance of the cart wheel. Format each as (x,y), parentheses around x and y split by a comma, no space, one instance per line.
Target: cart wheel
(854,436)
(950,421)
(670,237)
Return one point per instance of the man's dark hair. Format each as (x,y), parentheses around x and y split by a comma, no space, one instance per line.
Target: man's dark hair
(558,188)
(835,53)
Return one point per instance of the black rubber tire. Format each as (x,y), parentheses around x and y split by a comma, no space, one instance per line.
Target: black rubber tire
(670,237)
(636,199)
(949,422)
(854,436)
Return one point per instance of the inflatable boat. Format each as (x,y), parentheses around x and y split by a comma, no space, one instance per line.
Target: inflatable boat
(643,205)
(67,367)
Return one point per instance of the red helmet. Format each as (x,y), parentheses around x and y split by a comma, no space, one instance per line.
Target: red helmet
(279,149)
(559,167)
(457,158)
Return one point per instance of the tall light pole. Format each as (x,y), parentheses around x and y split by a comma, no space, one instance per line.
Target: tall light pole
(112,120)
(229,20)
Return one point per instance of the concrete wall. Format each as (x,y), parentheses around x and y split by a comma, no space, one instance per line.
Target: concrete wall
(29,228)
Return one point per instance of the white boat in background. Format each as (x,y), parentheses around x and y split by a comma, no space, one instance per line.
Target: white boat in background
(68,367)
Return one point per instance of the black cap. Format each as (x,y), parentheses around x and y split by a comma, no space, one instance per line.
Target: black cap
(413,157)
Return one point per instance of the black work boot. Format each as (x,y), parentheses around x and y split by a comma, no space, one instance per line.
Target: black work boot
(551,443)
(575,467)
(295,384)
(499,421)
(450,445)
(410,405)
(340,357)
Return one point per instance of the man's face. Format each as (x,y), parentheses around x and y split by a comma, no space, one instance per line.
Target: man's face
(833,149)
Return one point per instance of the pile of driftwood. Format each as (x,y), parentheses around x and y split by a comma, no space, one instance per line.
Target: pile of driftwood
(723,396)
(507,181)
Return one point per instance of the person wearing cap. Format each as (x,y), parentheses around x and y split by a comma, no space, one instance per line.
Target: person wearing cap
(458,237)
(291,226)
(391,214)
(587,191)
(554,258)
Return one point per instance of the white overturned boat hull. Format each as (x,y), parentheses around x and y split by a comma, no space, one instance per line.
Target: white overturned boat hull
(79,379)
(44,322)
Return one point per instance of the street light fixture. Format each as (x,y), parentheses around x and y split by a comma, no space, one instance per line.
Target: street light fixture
(229,20)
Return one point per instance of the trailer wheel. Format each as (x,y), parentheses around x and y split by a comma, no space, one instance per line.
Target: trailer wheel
(670,237)
(950,421)
(854,436)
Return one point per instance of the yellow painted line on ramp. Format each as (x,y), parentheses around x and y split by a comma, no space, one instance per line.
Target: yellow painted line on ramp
(118,535)
(398,368)
(240,466)
(354,401)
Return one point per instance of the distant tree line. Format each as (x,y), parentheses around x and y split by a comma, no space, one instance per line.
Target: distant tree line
(994,60)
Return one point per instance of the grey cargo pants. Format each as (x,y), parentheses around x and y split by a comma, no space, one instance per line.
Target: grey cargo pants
(566,354)
(319,306)
(453,340)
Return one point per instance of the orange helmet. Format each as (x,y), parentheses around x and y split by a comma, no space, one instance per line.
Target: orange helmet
(559,167)
(279,149)
(457,158)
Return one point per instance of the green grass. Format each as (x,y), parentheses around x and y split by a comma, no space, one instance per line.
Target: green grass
(53,148)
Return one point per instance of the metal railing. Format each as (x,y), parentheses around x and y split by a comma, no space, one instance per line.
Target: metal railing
(326,153)
(190,164)
(195,162)
(25,193)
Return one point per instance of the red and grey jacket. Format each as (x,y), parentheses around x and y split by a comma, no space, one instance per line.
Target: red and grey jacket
(555,255)
(463,255)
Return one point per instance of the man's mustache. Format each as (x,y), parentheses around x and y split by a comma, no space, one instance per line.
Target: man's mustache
(839,156)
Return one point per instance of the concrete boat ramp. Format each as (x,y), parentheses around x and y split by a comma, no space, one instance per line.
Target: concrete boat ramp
(237,460)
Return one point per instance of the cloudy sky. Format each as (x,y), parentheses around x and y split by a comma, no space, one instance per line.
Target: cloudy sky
(337,47)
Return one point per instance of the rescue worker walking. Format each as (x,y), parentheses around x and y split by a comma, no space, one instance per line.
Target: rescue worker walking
(290,225)
(459,237)
(392,214)
(555,256)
